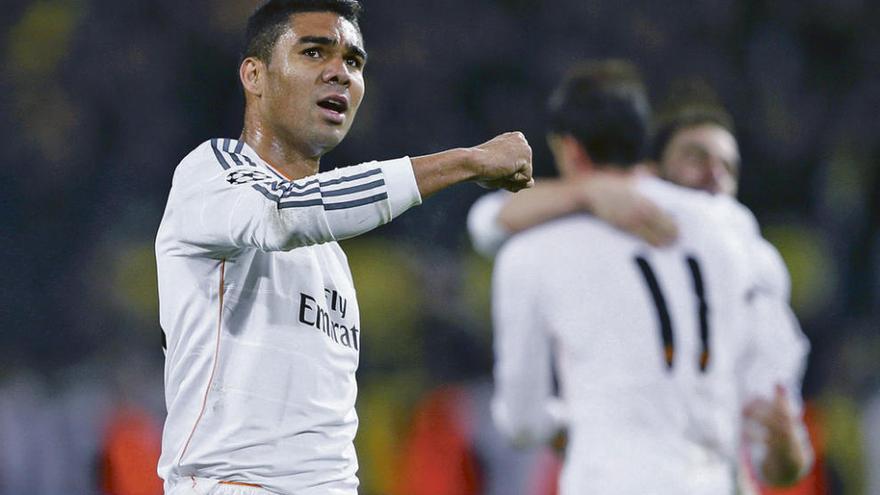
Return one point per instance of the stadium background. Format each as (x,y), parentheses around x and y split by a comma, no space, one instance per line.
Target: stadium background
(101,99)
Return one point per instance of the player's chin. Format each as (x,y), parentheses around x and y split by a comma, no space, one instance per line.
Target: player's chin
(330,137)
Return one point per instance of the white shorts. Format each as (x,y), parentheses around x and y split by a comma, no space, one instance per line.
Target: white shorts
(204,486)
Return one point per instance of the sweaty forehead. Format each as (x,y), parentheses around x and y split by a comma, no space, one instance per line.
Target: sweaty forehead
(324,25)
(712,138)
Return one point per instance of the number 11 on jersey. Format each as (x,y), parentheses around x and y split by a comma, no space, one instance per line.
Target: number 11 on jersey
(666,333)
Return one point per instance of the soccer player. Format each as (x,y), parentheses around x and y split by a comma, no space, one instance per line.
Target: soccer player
(256,298)
(656,348)
(693,147)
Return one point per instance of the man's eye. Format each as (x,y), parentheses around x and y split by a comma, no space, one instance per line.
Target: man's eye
(696,154)
(312,52)
(353,62)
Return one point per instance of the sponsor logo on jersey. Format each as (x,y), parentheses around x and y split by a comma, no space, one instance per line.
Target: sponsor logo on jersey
(329,319)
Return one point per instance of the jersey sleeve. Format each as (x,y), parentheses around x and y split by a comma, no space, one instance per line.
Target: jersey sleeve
(222,202)
(486,233)
(523,407)
(778,350)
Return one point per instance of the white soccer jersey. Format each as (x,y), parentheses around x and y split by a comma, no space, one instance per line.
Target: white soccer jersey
(781,352)
(259,311)
(650,345)
(780,349)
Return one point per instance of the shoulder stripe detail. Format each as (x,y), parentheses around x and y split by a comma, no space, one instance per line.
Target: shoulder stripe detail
(356,202)
(236,159)
(300,204)
(294,185)
(354,189)
(265,192)
(222,145)
(220,159)
(361,175)
(299,194)
(251,162)
(290,194)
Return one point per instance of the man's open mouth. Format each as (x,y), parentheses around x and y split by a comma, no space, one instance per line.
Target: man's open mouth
(338,104)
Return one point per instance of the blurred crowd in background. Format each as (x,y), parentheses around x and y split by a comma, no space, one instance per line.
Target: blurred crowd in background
(102,98)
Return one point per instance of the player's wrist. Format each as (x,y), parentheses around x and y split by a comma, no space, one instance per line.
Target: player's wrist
(440,170)
(471,162)
(582,193)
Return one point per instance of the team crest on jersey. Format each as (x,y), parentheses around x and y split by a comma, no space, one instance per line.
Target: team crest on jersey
(240,177)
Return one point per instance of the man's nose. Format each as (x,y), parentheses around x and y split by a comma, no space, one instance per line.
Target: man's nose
(715,175)
(336,72)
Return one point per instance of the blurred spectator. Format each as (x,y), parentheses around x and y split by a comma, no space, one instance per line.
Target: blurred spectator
(452,444)
(129,453)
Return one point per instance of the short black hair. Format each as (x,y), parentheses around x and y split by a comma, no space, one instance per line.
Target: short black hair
(604,105)
(267,23)
(685,117)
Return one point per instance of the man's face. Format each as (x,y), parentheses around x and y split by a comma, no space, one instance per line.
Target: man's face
(315,81)
(702,157)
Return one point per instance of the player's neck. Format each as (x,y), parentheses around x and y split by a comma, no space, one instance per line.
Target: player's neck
(638,170)
(277,152)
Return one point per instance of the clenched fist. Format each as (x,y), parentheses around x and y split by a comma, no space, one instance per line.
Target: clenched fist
(504,161)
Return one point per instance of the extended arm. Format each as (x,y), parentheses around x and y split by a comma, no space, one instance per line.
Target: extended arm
(222,200)
(502,162)
(609,197)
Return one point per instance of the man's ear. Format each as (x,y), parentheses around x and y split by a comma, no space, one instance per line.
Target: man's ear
(575,152)
(252,73)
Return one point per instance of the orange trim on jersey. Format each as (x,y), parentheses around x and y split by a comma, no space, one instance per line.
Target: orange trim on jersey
(213,366)
(240,483)
(271,167)
(282,174)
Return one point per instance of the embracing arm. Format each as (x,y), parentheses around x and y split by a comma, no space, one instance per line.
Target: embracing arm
(609,197)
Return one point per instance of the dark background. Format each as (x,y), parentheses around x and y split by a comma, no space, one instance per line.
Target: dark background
(101,99)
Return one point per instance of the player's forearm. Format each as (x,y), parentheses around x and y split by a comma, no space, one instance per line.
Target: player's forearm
(504,161)
(549,199)
(440,170)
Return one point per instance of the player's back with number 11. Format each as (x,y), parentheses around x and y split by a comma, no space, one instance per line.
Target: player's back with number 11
(646,342)
(651,344)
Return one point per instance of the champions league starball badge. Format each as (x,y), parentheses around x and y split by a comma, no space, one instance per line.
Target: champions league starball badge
(241,177)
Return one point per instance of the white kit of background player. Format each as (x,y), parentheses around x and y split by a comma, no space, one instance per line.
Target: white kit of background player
(658,350)
(259,311)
